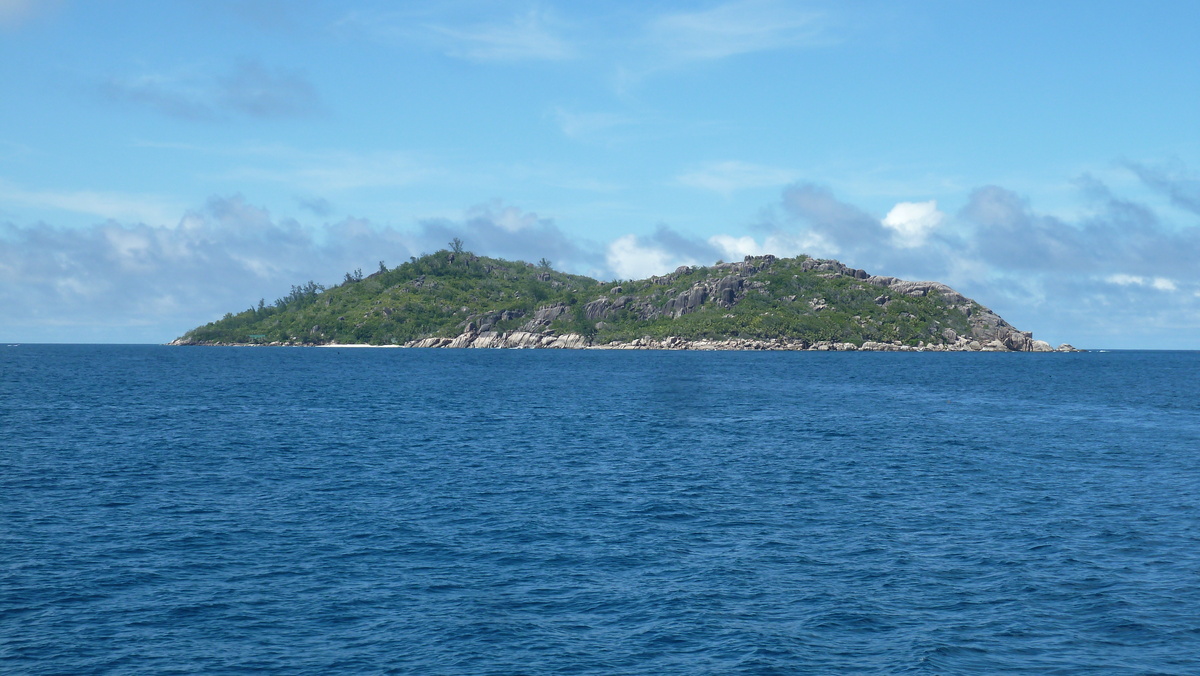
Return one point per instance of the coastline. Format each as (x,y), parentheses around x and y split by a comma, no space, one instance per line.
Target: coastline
(520,340)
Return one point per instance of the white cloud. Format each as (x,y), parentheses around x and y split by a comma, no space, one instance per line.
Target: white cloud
(630,258)
(525,38)
(129,247)
(730,176)
(1158,283)
(779,244)
(735,248)
(506,231)
(508,218)
(1072,279)
(912,222)
(734,28)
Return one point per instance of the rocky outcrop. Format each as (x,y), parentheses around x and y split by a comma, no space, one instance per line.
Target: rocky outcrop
(510,340)
(574,341)
(544,317)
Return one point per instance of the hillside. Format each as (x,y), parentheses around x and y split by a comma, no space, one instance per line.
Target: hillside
(458,299)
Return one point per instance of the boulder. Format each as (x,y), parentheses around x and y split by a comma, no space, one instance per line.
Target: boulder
(596,309)
(1018,341)
(686,302)
(487,339)
(570,341)
(726,289)
(544,316)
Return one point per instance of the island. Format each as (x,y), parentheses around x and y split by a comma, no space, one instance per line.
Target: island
(455,299)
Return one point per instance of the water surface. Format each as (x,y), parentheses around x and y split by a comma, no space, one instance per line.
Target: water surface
(217,510)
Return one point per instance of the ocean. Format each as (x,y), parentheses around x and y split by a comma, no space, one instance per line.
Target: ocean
(314,511)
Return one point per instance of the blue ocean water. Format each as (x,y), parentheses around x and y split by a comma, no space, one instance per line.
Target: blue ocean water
(232,510)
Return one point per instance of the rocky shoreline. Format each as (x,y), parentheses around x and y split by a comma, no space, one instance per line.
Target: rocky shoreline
(524,340)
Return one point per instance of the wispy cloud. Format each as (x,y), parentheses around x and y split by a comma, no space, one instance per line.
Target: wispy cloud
(249,89)
(734,28)
(731,176)
(317,172)
(152,209)
(1159,283)
(641,41)
(532,36)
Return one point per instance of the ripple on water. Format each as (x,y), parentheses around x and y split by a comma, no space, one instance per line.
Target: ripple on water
(307,511)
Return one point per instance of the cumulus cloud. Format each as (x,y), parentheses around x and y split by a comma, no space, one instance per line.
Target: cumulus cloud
(841,227)
(734,248)
(250,89)
(1118,275)
(1009,234)
(1122,236)
(778,243)
(133,281)
(632,258)
(638,257)
(913,222)
(154,282)
(1111,277)
(506,231)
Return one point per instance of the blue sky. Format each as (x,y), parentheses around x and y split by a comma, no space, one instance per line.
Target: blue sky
(162,163)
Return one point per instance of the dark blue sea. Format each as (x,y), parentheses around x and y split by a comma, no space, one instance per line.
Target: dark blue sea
(313,511)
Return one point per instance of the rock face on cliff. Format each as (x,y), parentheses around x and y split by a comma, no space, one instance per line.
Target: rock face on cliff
(762,302)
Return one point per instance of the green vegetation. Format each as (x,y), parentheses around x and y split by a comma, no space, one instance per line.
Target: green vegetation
(452,291)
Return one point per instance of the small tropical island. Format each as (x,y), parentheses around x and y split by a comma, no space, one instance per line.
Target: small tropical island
(453,298)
